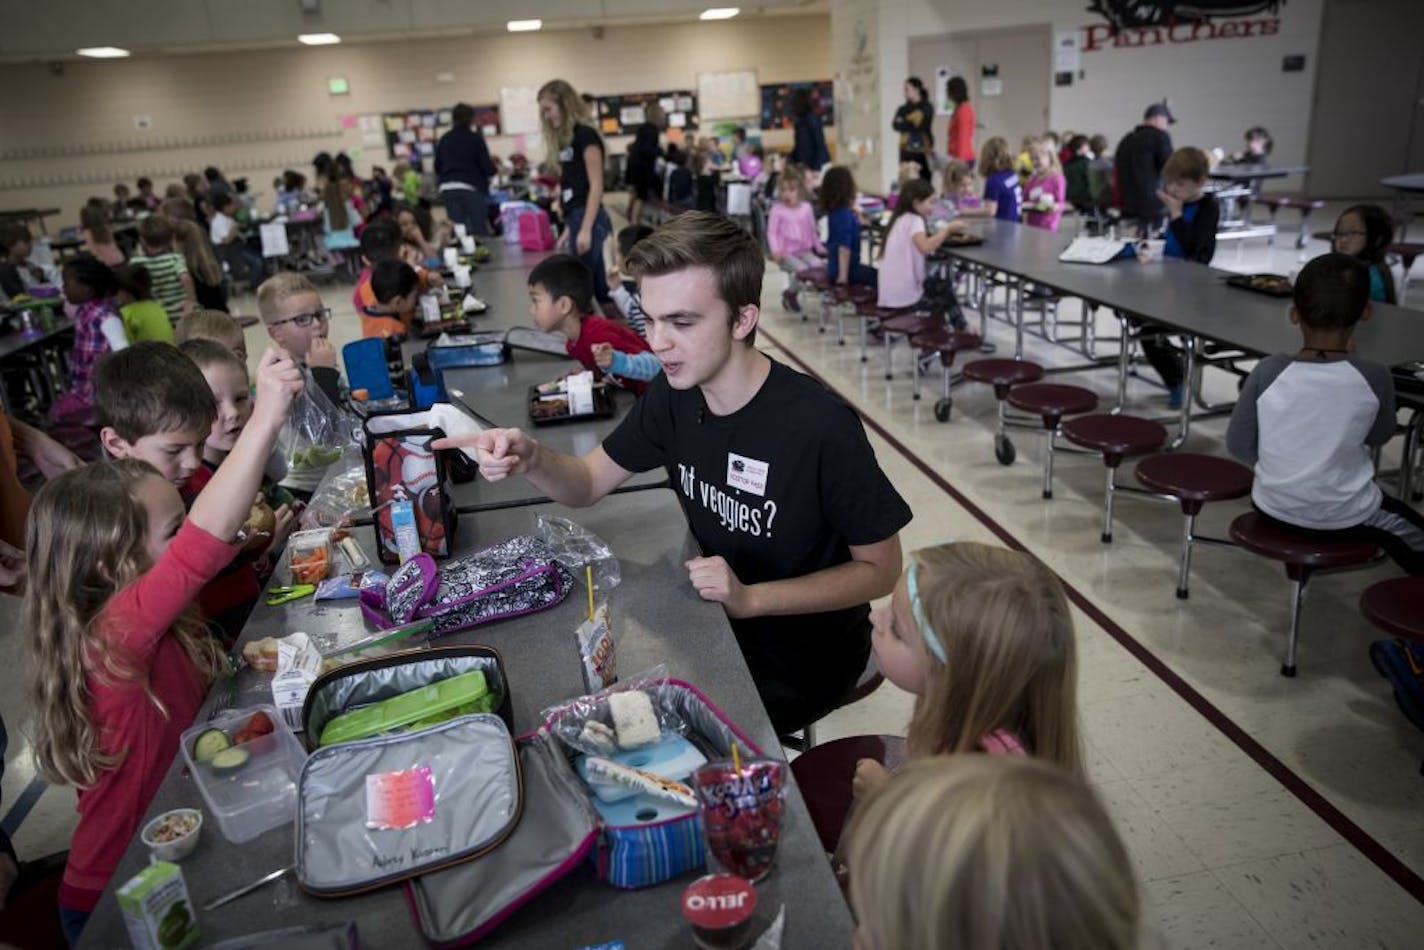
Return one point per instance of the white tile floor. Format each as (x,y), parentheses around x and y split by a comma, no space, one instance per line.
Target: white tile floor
(1227,855)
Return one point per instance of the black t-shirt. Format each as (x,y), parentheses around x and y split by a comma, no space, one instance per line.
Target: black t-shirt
(1139,160)
(573,175)
(781,488)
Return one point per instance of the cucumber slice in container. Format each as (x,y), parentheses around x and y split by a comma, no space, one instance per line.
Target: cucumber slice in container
(229,760)
(210,743)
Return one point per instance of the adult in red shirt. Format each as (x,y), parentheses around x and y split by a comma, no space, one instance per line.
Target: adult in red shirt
(961,123)
(122,661)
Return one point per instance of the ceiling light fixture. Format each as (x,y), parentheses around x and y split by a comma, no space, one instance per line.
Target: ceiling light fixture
(318,39)
(524,26)
(719,13)
(103,52)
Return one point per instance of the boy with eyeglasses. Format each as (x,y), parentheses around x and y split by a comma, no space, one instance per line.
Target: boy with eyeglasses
(296,320)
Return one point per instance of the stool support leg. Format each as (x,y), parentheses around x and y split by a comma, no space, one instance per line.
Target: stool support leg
(1018,319)
(1109,486)
(1051,432)
(1124,359)
(1184,565)
(1297,601)
(889,354)
(914,373)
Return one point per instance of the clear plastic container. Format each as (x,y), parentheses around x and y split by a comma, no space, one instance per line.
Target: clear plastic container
(262,794)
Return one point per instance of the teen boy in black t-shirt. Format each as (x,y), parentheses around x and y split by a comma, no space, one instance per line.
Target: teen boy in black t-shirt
(797,523)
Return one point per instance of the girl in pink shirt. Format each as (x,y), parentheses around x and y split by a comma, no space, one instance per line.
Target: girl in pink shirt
(1044,193)
(121,660)
(791,233)
(903,282)
(983,637)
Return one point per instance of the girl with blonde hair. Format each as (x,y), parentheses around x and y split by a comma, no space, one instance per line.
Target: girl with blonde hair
(571,141)
(983,637)
(120,659)
(191,241)
(989,853)
(1047,189)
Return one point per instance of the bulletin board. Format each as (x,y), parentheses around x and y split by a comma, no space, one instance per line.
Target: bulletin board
(728,95)
(519,109)
(621,114)
(776,103)
(411,135)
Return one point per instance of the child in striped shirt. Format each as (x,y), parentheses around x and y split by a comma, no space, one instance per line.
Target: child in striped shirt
(172,284)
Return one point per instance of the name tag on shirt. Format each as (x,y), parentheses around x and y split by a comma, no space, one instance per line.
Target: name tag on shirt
(747,474)
(566,154)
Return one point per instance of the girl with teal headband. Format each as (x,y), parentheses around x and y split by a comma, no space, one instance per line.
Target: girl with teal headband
(982,636)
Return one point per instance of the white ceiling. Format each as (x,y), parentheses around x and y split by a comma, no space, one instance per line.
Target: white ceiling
(53,29)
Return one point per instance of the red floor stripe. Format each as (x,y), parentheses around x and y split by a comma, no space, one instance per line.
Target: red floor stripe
(1377,853)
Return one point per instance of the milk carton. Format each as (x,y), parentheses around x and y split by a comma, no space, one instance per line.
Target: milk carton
(157,910)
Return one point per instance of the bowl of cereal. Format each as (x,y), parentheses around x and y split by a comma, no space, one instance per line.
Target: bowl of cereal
(173,835)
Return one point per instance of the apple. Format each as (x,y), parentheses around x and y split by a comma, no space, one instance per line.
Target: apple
(261,522)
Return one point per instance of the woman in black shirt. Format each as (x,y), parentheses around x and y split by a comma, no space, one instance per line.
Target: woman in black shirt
(912,120)
(643,155)
(579,150)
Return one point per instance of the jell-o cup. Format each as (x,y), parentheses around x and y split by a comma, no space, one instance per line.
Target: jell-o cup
(719,907)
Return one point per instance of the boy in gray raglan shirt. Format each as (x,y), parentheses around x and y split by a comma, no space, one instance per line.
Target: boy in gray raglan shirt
(1308,420)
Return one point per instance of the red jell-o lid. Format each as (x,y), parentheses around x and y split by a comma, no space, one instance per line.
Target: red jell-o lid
(718,901)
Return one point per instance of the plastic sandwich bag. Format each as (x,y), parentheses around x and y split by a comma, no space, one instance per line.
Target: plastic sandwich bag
(575,547)
(341,497)
(316,435)
(588,723)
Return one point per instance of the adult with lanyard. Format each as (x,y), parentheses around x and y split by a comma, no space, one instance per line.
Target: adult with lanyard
(464,168)
(579,150)
(959,140)
(797,524)
(912,120)
(809,144)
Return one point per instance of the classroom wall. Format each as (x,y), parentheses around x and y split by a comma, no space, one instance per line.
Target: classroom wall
(68,136)
(1218,87)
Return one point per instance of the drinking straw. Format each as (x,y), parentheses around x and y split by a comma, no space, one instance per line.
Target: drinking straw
(736,758)
(588,573)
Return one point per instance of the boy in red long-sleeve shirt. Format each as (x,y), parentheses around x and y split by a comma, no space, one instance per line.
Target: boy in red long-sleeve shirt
(561,301)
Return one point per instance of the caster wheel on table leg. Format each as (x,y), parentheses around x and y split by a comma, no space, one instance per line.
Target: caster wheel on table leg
(1287,670)
(942,408)
(1004,450)
(1182,593)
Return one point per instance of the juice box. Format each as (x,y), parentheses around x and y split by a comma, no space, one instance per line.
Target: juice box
(157,910)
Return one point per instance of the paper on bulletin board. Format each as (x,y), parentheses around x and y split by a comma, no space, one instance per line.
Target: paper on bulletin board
(1067,57)
(519,109)
(730,95)
(991,87)
(943,105)
(274,240)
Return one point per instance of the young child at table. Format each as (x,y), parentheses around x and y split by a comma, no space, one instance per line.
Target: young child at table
(381,241)
(1307,421)
(209,285)
(973,851)
(144,318)
(1046,189)
(243,261)
(791,233)
(903,282)
(120,659)
(395,288)
(1002,190)
(983,637)
(1365,232)
(89,287)
(957,193)
(172,284)
(561,301)
(146,195)
(298,322)
(416,228)
(624,289)
(98,236)
(843,228)
(1258,147)
(156,407)
(1077,180)
(212,325)
(1192,212)
(229,597)
(17,274)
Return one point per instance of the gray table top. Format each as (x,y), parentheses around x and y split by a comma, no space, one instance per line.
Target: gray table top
(659,620)
(1256,172)
(1181,295)
(1410,182)
(18,342)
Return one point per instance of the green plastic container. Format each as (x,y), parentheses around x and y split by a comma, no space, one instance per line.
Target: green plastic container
(427,706)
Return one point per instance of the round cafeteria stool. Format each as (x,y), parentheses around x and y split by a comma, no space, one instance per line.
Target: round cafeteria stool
(1193,480)
(825,775)
(1003,375)
(1303,552)
(813,277)
(1051,402)
(846,296)
(907,322)
(1396,606)
(947,343)
(1115,437)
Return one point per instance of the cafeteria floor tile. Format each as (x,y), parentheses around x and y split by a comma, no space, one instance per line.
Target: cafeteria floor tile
(1259,811)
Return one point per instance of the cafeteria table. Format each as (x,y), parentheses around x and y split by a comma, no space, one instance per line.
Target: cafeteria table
(53,331)
(1231,178)
(26,215)
(1184,297)
(658,619)
(1406,188)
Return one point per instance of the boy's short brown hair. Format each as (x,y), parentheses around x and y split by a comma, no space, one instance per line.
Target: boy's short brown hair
(151,387)
(213,325)
(156,231)
(1187,164)
(279,287)
(705,239)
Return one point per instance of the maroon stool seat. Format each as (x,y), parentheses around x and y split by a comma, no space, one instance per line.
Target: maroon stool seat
(1396,606)
(1193,480)
(815,278)
(1302,203)
(1408,252)
(1303,552)
(1115,437)
(1003,375)
(853,293)
(814,275)
(906,322)
(1051,402)
(947,342)
(824,775)
(840,296)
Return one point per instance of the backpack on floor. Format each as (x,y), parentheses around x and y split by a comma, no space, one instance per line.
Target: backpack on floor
(1402,663)
(536,233)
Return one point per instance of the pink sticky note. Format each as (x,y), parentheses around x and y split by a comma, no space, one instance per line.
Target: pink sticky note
(397,800)
(348,122)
